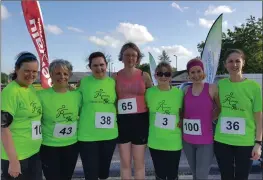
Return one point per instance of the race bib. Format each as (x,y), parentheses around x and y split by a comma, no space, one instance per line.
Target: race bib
(232,125)
(104,120)
(126,106)
(65,130)
(165,121)
(36,130)
(192,126)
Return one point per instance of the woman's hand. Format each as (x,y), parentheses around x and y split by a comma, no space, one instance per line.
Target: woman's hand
(14,168)
(256,152)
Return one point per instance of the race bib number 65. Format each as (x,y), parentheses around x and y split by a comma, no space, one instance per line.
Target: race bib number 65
(232,125)
(126,106)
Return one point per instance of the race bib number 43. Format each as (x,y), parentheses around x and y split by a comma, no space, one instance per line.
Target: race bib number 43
(104,120)
(126,106)
(192,126)
(231,125)
(36,130)
(65,130)
(165,121)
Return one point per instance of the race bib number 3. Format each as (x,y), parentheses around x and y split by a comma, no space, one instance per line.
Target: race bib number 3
(65,130)
(165,121)
(104,120)
(192,126)
(230,125)
(126,106)
(36,130)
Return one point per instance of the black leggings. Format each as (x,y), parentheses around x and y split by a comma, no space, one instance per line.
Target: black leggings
(59,162)
(165,163)
(233,161)
(96,158)
(30,169)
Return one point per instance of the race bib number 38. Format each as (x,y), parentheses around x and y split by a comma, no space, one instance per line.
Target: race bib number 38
(231,125)
(165,121)
(65,130)
(126,106)
(36,130)
(192,126)
(104,120)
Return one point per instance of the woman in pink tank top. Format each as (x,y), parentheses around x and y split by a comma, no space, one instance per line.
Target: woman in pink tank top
(199,113)
(132,118)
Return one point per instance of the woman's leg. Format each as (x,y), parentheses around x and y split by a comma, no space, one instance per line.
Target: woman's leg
(190,153)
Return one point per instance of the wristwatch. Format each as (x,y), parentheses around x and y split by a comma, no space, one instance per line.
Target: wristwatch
(259,142)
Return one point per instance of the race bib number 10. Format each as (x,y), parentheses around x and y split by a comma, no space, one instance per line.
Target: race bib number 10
(36,130)
(231,125)
(126,106)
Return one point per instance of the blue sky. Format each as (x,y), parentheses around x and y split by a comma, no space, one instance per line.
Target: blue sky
(75,29)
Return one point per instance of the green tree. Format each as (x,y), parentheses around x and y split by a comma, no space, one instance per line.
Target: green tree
(4,78)
(247,37)
(164,57)
(145,67)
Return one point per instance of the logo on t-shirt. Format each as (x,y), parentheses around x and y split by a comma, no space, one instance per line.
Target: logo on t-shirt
(35,108)
(163,107)
(100,94)
(64,112)
(231,103)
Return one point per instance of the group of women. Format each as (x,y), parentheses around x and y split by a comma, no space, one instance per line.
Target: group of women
(46,130)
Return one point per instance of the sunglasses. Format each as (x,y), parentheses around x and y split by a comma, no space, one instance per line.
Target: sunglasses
(166,74)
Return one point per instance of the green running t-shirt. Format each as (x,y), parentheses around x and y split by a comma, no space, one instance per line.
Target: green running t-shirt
(23,104)
(239,101)
(98,113)
(60,117)
(164,108)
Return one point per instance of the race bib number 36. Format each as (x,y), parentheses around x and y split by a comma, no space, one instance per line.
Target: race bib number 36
(192,126)
(231,125)
(65,130)
(165,121)
(104,120)
(36,130)
(126,106)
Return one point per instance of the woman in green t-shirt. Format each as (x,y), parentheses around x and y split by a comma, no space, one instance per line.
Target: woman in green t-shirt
(98,131)
(59,150)
(165,137)
(238,136)
(21,113)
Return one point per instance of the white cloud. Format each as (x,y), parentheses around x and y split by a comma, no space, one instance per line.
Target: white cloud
(189,23)
(179,50)
(212,10)
(54,29)
(105,41)
(208,23)
(135,32)
(176,6)
(75,29)
(4,13)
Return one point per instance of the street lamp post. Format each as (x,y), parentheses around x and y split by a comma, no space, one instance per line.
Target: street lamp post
(176,62)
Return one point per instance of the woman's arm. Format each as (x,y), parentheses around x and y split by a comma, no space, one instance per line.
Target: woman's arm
(258,119)
(215,96)
(147,80)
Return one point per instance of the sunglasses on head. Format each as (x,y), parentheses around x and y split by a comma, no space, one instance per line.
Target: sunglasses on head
(166,74)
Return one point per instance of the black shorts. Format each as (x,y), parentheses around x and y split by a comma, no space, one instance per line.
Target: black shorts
(133,128)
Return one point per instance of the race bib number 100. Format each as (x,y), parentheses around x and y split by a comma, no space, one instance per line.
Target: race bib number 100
(36,130)
(192,126)
(231,125)
(126,106)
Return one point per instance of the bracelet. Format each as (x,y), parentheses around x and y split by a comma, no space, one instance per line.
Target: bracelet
(259,142)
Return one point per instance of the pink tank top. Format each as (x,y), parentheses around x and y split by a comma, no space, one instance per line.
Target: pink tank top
(131,88)
(198,112)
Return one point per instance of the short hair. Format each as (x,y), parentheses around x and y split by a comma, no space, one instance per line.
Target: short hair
(165,65)
(132,46)
(95,55)
(62,63)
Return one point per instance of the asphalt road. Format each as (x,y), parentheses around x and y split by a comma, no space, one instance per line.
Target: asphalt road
(184,170)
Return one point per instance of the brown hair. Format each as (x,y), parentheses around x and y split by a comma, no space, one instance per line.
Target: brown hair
(230,51)
(165,65)
(132,46)
(95,55)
